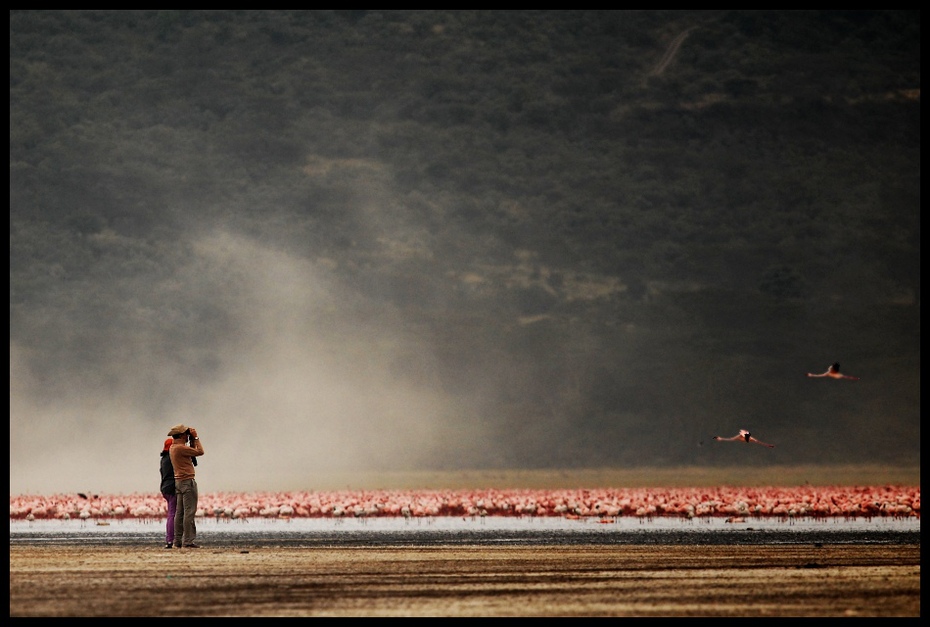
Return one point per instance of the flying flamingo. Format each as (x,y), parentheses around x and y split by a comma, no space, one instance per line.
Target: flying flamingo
(834,373)
(743,436)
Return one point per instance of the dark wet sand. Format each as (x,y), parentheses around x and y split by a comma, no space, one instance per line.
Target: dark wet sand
(468,580)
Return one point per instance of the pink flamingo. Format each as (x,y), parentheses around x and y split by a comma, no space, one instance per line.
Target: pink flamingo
(742,436)
(834,373)
(692,503)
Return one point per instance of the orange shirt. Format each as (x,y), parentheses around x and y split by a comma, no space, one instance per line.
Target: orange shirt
(181,456)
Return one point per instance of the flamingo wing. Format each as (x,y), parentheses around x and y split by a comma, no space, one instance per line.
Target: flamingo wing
(743,436)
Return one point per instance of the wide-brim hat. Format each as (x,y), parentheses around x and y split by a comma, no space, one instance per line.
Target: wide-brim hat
(177,430)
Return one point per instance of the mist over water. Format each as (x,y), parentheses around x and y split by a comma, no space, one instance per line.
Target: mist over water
(292,376)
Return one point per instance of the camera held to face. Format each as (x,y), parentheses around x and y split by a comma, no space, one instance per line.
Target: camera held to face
(190,442)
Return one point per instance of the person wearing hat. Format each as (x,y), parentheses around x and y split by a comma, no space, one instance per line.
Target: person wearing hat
(168,491)
(182,459)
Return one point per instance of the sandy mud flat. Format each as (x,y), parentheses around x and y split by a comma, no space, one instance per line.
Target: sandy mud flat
(454,568)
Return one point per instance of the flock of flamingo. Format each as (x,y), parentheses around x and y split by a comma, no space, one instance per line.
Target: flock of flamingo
(734,503)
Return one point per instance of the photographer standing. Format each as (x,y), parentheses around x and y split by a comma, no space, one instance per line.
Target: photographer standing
(183,459)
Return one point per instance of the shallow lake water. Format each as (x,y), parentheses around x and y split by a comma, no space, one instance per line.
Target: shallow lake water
(488,530)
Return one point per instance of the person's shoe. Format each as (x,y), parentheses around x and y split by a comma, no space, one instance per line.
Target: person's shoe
(191,546)
(168,545)
(177,546)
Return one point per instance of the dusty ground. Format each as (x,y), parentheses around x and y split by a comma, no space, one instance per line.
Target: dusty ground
(613,580)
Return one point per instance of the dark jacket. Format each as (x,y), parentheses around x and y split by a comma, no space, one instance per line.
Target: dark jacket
(167,474)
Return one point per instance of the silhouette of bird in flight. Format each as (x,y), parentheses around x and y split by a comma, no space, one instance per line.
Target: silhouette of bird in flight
(742,436)
(834,373)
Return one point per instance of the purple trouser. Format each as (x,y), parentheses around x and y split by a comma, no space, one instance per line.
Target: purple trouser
(172,500)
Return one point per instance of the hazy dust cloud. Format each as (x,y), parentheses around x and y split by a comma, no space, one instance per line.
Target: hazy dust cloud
(300,382)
